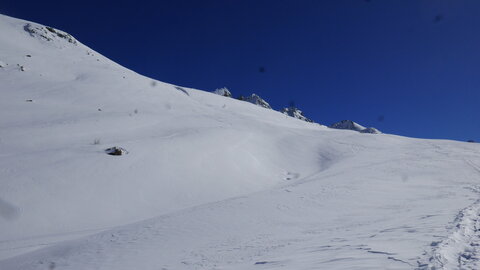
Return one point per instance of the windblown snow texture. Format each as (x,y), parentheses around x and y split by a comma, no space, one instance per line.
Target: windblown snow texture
(209,182)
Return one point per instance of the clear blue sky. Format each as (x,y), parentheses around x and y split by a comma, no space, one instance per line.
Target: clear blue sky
(408,67)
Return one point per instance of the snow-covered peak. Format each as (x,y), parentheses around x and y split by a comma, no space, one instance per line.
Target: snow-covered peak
(349,124)
(296,113)
(223,92)
(257,100)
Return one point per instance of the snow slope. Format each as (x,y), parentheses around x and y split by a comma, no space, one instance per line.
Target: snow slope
(209,182)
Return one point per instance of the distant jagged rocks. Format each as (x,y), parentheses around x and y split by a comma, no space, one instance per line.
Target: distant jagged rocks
(257,100)
(295,113)
(223,92)
(349,124)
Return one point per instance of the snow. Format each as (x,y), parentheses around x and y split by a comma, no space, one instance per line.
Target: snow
(209,182)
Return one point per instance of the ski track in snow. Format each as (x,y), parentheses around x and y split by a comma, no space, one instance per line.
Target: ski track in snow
(461,249)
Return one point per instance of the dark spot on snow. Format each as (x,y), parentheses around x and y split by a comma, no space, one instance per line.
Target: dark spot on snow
(183,90)
(28,55)
(398,260)
(380,252)
(434,243)
(427,216)
(50,29)
(153,83)
(116,151)
(52,266)
(99,109)
(29,100)
(421,265)
(262,262)
(467,256)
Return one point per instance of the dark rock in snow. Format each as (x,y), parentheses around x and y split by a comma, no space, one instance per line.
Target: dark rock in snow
(116,151)
(295,113)
(48,33)
(349,124)
(257,100)
(223,92)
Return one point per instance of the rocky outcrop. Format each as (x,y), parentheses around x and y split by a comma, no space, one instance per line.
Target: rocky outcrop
(295,113)
(48,33)
(349,124)
(116,151)
(257,100)
(223,92)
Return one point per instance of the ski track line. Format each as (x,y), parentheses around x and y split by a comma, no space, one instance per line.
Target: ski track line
(461,249)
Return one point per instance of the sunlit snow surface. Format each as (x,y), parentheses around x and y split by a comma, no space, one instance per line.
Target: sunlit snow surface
(209,182)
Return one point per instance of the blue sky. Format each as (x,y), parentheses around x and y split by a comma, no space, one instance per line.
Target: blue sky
(408,67)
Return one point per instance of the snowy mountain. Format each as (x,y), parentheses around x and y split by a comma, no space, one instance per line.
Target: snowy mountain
(257,100)
(208,182)
(295,113)
(349,124)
